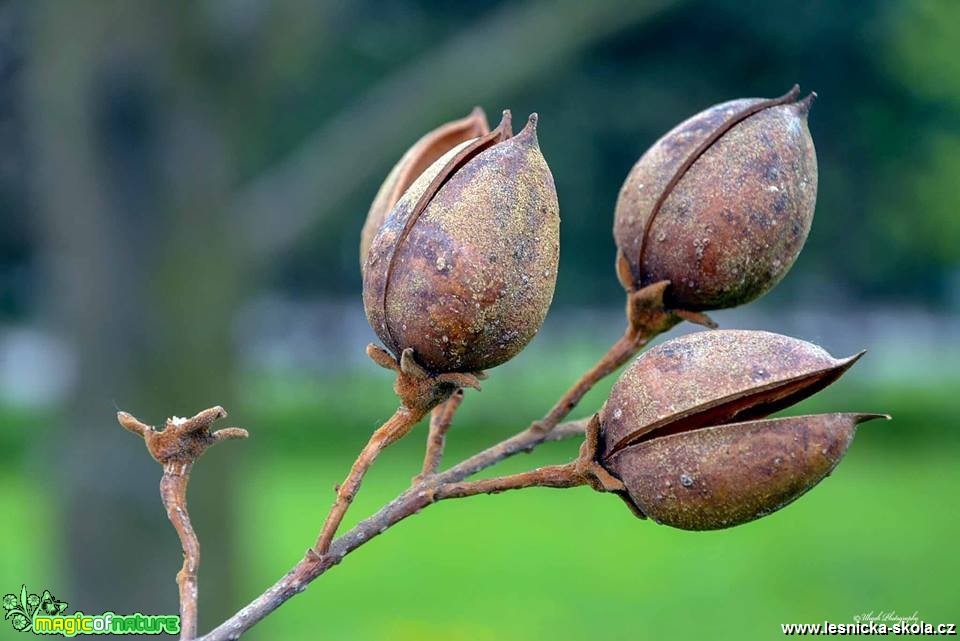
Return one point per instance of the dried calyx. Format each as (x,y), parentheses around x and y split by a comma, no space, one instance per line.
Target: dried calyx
(182,440)
(177,447)
(682,427)
(419,390)
(463,269)
(721,205)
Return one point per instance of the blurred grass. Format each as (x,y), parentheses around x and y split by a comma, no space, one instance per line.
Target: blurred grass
(572,565)
(878,535)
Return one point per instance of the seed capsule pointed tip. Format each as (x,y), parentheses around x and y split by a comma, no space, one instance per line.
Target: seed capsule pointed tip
(529,131)
(849,361)
(506,125)
(803,106)
(863,418)
(479,118)
(792,95)
(478,112)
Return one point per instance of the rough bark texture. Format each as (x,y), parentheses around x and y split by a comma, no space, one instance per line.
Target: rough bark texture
(173,493)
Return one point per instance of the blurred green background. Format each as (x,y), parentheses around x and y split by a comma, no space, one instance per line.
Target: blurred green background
(182,186)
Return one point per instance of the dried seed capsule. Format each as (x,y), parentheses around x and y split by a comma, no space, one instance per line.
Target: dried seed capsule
(721,205)
(714,377)
(718,477)
(696,399)
(414,162)
(464,267)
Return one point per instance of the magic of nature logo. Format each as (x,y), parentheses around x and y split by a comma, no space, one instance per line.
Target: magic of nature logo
(44,614)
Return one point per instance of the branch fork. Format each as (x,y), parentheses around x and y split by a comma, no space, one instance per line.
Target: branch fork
(420,391)
(647,318)
(585,470)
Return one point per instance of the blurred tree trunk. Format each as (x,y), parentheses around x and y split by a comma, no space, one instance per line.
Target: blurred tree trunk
(129,183)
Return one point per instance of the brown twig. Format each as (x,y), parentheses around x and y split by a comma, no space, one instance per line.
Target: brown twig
(406,504)
(440,420)
(176,448)
(419,392)
(583,471)
(647,318)
(549,476)
(396,427)
(173,492)
(619,353)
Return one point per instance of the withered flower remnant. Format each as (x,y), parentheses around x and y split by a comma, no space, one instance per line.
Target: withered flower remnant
(414,162)
(182,440)
(463,269)
(682,427)
(177,447)
(721,205)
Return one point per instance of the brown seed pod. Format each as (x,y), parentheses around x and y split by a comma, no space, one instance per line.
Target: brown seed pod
(713,377)
(721,205)
(718,477)
(414,162)
(464,267)
(697,398)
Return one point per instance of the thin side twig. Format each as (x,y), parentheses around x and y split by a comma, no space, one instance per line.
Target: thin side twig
(647,318)
(560,476)
(173,493)
(440,420)
(420,391)
(619,353)
(396,427)
(406,504)
(585,470)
